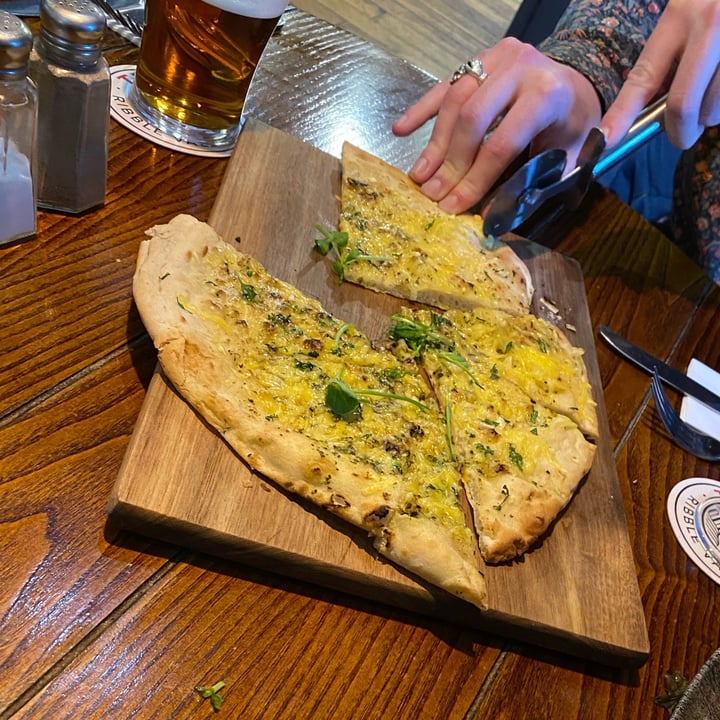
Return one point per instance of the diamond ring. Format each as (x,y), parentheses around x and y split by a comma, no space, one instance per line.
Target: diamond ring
(472,67)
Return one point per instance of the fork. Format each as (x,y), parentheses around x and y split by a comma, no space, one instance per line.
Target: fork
(128,28)
(697,443)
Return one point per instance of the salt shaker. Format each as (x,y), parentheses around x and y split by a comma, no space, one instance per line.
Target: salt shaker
(73,80)
(18,118)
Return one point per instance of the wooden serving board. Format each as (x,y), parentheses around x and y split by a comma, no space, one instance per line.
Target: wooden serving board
(577,591)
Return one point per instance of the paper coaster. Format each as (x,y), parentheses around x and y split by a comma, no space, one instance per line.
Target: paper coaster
(693,507)
(695,413)
(121,110)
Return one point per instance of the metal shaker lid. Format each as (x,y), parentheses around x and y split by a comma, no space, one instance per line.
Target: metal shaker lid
(72,28)
(15,44)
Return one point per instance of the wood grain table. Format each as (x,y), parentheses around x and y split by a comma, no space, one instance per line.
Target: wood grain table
(100,622)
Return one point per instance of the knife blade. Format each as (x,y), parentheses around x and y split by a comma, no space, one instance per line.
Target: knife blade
(668,374)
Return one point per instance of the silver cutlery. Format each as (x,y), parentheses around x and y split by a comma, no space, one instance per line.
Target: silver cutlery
(695,442)
(667,374)
(121,21)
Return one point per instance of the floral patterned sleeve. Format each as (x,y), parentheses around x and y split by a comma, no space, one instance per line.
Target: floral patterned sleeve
(602,39)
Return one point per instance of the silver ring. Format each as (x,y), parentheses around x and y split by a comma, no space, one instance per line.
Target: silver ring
(472,67)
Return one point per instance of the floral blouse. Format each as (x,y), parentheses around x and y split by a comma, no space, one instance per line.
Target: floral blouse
(603,39)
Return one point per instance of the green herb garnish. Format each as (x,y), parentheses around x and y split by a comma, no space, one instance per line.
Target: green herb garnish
(338,335)
(456,358)
(486,449)
(248,292)
(448,427)
(344,400)
(390,375)
(212,692)
(418,336)
(516,457)
(337,241)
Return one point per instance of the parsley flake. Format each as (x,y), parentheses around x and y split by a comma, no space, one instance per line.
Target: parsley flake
(336,241)
(516,458)
(345,401)
(212,693)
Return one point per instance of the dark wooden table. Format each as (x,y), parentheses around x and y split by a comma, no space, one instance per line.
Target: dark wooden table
(98,623)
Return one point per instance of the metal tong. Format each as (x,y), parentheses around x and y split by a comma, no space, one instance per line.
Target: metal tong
(541,178)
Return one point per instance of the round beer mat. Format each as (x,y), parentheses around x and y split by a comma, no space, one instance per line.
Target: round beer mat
(685,505)
(121,110)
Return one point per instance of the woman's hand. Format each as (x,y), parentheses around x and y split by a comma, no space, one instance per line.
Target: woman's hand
(682,54)
(526,100)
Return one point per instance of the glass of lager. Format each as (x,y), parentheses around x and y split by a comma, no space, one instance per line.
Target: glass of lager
(197,59)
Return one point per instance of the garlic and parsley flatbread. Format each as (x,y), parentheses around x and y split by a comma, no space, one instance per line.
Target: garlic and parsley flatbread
(304,399)
(403,244)
(393,440)
(521,460)
(528,351)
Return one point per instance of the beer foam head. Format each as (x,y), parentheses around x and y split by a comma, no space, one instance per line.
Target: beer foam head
(262,9)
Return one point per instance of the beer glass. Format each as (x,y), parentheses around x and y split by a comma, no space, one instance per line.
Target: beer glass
(197,59)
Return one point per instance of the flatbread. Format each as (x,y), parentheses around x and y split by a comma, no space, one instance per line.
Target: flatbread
(254,357)
(500,412)
(419,252)
(521,462)
(521,455)
(526,350)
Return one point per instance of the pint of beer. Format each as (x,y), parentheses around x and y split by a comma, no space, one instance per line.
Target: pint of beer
(197,59)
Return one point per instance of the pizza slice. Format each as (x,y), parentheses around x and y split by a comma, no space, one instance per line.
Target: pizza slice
(401,243)
(521,461)
(524,349)
(304,399)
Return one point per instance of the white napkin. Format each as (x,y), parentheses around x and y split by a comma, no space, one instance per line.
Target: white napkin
(692,411)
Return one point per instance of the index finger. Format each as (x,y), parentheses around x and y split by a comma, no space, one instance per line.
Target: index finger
(423,110)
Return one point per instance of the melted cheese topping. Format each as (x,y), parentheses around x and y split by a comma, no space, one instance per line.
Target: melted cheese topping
(528,352)
(413,252)
(285,349)
(496,428)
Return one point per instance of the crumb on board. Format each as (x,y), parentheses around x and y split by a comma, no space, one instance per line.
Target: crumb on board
(549,306)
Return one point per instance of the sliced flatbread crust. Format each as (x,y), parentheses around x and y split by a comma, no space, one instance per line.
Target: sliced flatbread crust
(521,462)
(254,357)
(528,351)
(420,252)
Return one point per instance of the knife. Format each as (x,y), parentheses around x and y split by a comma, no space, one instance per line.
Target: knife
(542,177)
(647,362)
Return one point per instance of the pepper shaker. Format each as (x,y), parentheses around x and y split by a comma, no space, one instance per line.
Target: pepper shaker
(18,122)
(73,81)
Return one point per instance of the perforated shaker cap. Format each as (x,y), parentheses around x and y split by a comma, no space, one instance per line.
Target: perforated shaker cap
(72,29)
(15,44)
